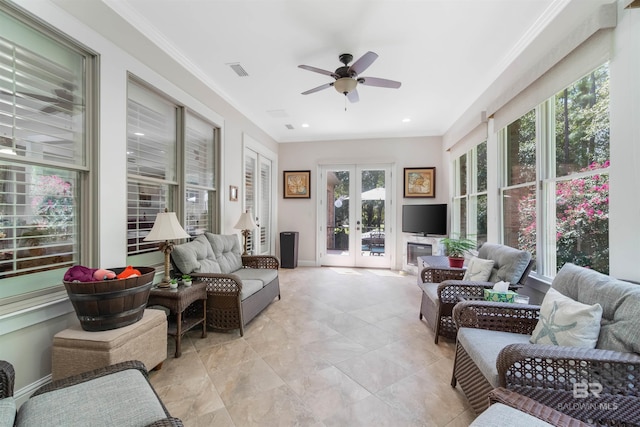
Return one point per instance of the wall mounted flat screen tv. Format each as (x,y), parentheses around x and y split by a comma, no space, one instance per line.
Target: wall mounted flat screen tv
(425,219)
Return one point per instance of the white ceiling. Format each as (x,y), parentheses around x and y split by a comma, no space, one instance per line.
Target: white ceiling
(445,53)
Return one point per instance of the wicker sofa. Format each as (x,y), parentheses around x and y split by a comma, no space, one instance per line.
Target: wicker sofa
(493,349)
(117,395)
(238,287)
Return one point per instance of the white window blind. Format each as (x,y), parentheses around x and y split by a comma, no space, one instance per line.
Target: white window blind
(588,56)
(199,174)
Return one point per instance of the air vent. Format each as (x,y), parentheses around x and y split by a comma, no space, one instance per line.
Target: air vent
(277,114)
(235,66)
(289,126)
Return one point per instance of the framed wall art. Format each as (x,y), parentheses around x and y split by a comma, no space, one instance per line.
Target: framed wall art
(297,184)
(419,182)
(233,193)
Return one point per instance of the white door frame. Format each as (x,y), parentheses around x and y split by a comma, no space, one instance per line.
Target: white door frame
(356,258)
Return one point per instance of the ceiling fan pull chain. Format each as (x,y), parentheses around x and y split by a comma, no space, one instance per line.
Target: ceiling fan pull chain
(345,103)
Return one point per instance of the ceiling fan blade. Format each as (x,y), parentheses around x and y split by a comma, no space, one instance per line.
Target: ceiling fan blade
(319,70)
(363,63)
(375,81)
(317,89)
(353,96)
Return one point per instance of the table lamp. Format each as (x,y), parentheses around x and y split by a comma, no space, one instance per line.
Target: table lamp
(166,227)
(246,224)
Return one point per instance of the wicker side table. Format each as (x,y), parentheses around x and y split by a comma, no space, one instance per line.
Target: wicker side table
(187,307)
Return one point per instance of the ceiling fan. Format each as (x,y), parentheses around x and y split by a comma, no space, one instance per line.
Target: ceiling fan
(346,77)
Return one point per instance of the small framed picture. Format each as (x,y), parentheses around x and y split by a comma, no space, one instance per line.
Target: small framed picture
(297,184)
(419,182)
(233,193)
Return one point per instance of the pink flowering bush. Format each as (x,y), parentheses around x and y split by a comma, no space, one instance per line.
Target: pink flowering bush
(52,201)
(582,220)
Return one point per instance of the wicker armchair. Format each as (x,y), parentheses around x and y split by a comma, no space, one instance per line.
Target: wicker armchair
(522,411)
(60,403)
(443,286)
(498,333)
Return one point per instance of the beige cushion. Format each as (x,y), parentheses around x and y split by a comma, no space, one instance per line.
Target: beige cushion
(478,270)
(566,322)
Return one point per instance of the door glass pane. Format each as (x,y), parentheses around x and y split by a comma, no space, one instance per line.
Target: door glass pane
(250,193)
(372,203)
(265,206)
(338,212)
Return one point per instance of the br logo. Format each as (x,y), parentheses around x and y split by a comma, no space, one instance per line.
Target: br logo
(582,390)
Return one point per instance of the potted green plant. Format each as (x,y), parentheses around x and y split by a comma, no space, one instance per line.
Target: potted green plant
(186,280)
(455,250)
(173,283)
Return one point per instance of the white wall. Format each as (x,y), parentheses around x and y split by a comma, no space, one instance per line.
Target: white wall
(301,214)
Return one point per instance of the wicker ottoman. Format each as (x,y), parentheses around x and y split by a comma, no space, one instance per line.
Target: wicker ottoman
(76,350)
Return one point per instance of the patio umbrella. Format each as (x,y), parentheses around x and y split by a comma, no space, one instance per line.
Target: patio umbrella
(375,194)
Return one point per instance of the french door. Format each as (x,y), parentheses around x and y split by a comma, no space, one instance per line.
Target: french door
(355,213)
(258,196)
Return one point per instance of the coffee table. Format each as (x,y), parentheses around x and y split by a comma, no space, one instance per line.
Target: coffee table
(187,307)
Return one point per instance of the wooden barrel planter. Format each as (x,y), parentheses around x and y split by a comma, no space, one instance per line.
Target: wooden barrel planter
(111,304)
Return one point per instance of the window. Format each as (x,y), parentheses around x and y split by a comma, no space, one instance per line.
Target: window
(151,163)
(564,218)
(171,154)
(519,194)
(44,172)
(470,200)
(460,198)
(199,174)
(578,186)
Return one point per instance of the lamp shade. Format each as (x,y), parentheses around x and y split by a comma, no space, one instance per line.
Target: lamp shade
(166,227)
(245,222)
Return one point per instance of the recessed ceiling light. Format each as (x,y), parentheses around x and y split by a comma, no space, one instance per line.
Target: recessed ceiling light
(305,125)
(406,120)
(138,133)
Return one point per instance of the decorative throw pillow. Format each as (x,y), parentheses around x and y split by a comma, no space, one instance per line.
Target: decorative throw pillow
(566,322)
(478,270)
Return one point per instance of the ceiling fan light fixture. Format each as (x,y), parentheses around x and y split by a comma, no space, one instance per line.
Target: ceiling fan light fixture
(345,85)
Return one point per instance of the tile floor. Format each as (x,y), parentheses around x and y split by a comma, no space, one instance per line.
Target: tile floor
(344,347)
